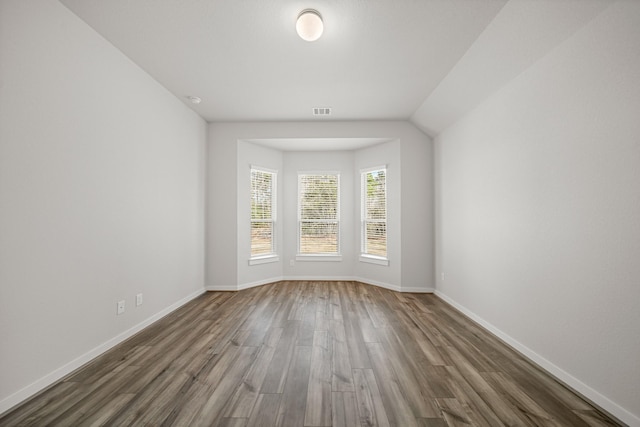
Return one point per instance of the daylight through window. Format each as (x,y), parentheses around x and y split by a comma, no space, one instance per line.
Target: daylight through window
(318,214)
(374,212)
(263,185)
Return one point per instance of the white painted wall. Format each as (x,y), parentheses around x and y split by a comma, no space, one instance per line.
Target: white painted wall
(221,214)
(251,154)
(226,222)
(418,242)
(334,161)
(101,196)
(538,195)
(387,154)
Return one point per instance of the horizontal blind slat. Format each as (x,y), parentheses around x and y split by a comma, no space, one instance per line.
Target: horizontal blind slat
(262,205)
(374,198)
(318,211)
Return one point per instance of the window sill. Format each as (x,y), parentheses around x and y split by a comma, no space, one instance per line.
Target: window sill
(372,259)
(265,259)
(319,257)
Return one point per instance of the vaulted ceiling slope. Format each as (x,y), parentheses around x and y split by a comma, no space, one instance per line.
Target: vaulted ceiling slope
(426,61)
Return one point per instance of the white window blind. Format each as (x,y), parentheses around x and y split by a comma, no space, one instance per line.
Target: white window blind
(263,188)
(374,212)
(318,214)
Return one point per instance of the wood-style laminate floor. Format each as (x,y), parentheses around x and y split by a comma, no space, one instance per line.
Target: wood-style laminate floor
(310,354)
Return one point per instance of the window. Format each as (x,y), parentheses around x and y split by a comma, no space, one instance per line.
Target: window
(263,213)
(319,214)
(374,215)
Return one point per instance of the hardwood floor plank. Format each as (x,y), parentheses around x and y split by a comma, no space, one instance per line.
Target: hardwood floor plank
(213,408)
(417,394)
(344,412)
(550,394)
(50,403)
(278,369)
(259,324)
(122,358)
(247,393)
(354,338)
(453,413)
(432,422)
(323,307)
(103,415)
(471,389)
(164,354)
(192,396)
(477,410)
(436,378)
(318,409)
(54,414)
(480,362)
(335,305)
(296,310)
(411,364)
(396,405)
(265,412)
(519,398)
(417,325)
(341,374)
(531,374)
(281,317)
(292,405)
(98,399)
(594,418)
(371,410)
(233,422)
(152,405)
(376,296)
(314,354)
(369,331)
(308,325)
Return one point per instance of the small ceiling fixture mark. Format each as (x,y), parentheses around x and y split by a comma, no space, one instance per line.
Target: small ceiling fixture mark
(194,99)
(322,111)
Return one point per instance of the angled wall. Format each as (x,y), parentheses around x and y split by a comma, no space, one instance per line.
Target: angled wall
(101,197)
(538,211)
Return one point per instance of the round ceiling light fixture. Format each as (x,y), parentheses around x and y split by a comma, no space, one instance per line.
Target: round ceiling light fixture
(309,25)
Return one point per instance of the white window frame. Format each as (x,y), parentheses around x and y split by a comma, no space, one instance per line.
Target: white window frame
(364,255)
(273,255)
(337,256)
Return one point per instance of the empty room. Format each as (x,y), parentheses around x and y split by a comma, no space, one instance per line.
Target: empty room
(320,213)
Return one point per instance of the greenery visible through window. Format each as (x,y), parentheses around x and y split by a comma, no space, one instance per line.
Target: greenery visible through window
(318,214)
(262,212)
(374,212)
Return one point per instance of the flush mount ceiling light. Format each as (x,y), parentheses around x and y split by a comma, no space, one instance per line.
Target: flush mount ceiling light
(194,99)
(309,25)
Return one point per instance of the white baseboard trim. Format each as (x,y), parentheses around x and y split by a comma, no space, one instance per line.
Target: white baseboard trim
(345,279)
(384,285)
(396,288)
(259,283)
(32,389)
(417,290)
(564,377)
(320,278)
(222,288)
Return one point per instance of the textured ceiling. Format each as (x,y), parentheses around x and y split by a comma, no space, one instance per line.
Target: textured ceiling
(429,61)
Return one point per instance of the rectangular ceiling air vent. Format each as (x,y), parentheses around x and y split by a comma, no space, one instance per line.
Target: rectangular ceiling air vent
(321,111)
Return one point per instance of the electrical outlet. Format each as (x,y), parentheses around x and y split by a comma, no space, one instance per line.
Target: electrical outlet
(120,307)
(292,263)
(138,300)
(442,276)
